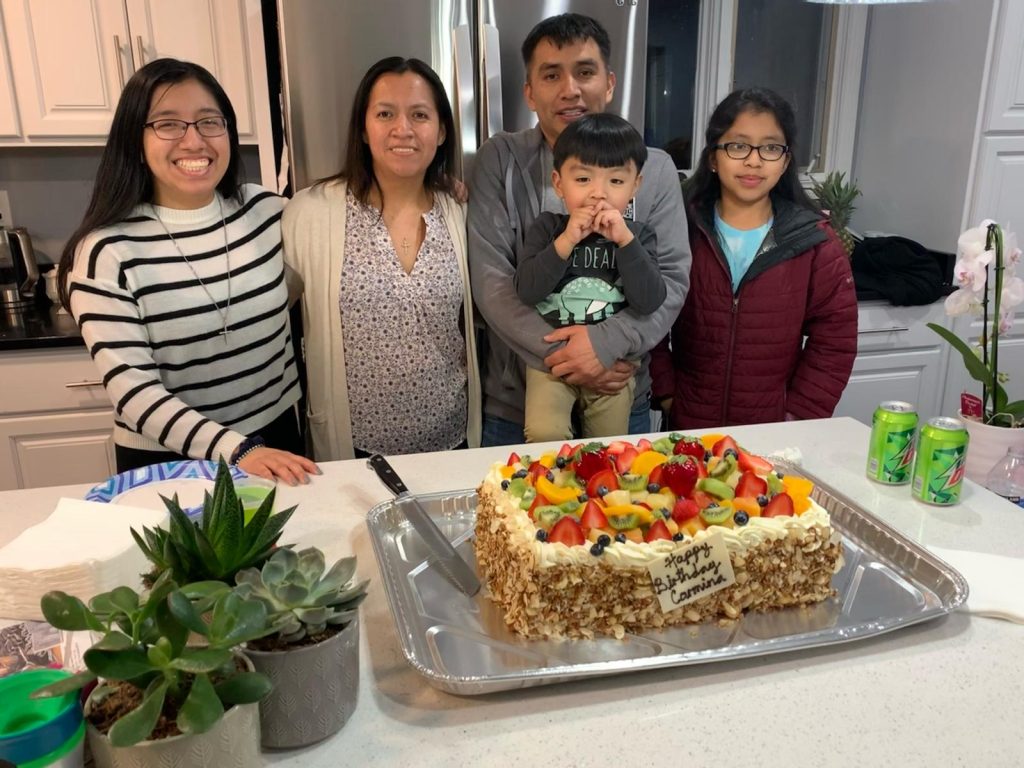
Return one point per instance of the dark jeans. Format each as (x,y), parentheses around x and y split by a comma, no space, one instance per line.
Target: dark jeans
(282,432)
(497,431)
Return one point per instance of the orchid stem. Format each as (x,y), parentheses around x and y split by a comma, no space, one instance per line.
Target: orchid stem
(984,334)
(997,236)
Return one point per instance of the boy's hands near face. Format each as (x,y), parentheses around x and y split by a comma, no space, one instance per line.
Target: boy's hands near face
(579,226)
(609,223)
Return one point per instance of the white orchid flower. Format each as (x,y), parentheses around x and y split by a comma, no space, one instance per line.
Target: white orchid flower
(1011,252)
(1013,293)
(960,302)
(971,243)
(972,273)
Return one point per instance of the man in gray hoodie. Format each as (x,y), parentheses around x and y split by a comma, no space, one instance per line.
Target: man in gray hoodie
(567,75)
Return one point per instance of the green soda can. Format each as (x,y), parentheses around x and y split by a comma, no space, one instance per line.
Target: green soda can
(891,450)
(941,457)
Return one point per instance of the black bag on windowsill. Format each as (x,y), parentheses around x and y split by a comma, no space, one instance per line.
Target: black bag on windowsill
(901,271)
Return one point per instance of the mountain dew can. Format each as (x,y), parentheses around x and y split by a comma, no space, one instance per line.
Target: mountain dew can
(891,450)
(939,468)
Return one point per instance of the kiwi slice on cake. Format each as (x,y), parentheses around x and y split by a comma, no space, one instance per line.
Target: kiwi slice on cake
(715,515)
(624,522)
(547,515)
(631,482)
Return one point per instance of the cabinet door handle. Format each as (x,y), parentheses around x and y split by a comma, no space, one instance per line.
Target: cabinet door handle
(882,330)
(142,51)
(78,384)
(120,65)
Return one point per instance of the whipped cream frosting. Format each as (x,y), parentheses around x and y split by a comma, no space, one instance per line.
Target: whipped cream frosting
(633,554)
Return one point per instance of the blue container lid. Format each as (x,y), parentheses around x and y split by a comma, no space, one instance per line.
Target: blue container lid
(31,728)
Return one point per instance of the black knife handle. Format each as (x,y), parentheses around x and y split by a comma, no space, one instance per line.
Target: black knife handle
(387,475)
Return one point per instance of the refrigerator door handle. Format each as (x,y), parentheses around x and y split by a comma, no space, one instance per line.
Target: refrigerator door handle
(465,97)
(490,79)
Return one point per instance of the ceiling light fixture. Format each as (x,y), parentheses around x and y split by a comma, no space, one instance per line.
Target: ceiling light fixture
(865,2)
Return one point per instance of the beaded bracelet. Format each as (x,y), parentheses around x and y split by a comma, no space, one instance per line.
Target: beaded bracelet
(246,447)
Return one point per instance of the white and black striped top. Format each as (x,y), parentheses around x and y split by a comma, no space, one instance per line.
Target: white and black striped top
(176,382)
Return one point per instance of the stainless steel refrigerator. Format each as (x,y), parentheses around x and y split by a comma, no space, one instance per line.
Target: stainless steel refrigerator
(474,45)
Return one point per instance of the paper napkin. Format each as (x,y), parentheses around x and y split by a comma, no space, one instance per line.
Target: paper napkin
(993,582)
(83,548)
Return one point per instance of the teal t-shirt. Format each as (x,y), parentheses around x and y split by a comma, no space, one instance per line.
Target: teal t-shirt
(740,246)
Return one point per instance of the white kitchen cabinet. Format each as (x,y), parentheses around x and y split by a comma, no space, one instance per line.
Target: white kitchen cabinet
(898,358)
(998,190)
(56,423)
(996,182)
(71,58)
(1006,90)
(9,127)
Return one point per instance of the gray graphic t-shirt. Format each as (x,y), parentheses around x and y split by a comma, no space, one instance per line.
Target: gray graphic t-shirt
(597,280)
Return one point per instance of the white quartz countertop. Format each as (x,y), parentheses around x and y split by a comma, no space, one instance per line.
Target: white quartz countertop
(944,693)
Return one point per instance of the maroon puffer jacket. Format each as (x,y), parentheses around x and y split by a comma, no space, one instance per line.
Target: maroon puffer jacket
(743,359)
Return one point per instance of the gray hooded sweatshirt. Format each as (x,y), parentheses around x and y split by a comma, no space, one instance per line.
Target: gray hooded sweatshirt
(510,185)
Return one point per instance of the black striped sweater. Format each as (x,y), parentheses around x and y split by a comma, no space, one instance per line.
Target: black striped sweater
(176,382)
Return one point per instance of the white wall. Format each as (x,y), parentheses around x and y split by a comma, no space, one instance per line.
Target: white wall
(919,103)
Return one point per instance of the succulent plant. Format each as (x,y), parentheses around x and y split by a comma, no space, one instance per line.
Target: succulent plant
(221,545)
(144,644)
(299,597)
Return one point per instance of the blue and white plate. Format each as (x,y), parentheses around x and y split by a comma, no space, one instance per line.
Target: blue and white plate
(143,487)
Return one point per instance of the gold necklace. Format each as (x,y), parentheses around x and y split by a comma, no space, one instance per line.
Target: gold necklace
(227,253)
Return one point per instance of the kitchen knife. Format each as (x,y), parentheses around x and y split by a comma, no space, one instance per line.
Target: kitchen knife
(445,555)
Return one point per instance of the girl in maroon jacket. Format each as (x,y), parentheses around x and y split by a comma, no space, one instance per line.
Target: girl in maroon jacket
(769,328)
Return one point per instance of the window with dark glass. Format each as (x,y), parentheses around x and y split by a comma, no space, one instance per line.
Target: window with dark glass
(786,45)
(672,28)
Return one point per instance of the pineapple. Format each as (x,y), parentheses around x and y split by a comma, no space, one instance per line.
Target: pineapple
(835,195)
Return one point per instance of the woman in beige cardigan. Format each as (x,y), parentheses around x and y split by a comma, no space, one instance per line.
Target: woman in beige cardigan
(388,317)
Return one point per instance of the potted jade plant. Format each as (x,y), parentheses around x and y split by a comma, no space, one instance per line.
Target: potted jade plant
(313,659)
(219,546)
(161,701)
(987,288)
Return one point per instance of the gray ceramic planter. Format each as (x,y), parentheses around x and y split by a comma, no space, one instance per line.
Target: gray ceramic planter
(315,689)
(234,742)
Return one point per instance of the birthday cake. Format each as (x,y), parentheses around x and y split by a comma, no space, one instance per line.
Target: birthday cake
(623,538)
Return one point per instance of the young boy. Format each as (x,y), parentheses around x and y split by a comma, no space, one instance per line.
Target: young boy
(583,267)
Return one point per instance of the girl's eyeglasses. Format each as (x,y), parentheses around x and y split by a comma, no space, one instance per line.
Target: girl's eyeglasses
(208,127)
(738,150)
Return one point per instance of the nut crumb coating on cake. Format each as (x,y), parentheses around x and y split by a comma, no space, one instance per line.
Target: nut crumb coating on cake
(582,597)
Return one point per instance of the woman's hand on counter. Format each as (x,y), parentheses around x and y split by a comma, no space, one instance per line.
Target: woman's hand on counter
(272,463)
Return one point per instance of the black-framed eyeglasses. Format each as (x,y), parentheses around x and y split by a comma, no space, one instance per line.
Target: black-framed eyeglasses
(739,150)
(171,129)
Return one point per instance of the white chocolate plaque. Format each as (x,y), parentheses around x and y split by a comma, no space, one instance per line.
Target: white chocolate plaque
(692,572)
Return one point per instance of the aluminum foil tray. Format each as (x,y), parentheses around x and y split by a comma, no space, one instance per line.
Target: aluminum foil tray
(461,644)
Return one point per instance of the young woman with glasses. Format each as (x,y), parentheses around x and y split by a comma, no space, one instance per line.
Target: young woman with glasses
(176,279)
(769,328)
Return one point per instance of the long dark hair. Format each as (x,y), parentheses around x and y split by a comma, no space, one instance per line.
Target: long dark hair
(123,180)
(703,189)
(358,168)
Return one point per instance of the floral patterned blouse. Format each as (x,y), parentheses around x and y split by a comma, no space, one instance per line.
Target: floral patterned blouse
(405,357)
